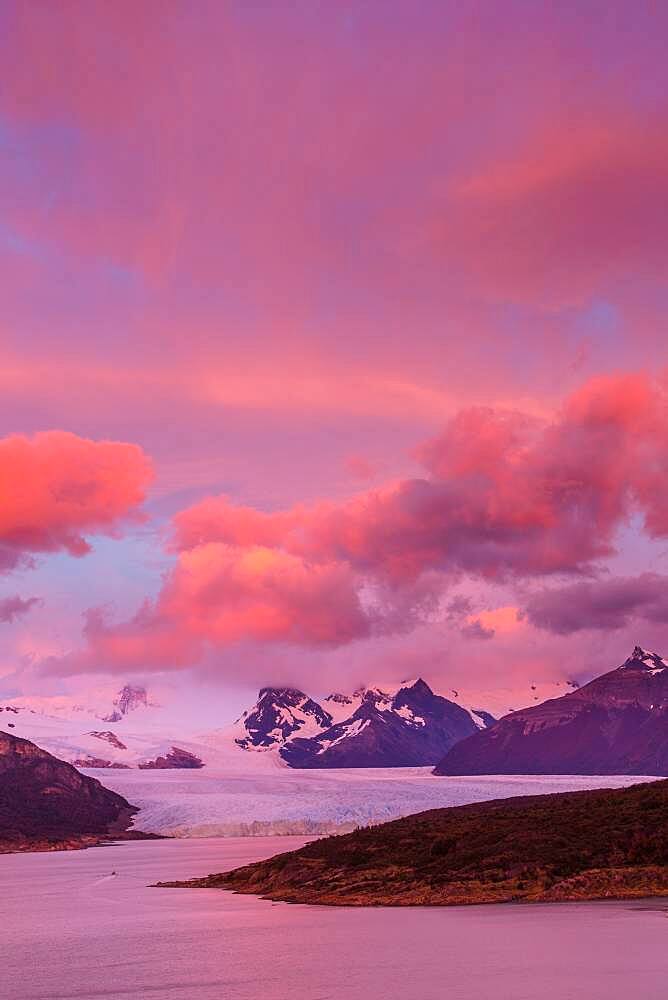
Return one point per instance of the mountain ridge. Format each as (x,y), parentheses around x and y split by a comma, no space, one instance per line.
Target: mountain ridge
(615,724)
(412,727)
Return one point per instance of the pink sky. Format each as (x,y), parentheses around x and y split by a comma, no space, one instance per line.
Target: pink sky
(332,341)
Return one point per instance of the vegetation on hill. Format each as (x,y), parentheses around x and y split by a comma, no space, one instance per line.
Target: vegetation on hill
(575,845)
(47,804)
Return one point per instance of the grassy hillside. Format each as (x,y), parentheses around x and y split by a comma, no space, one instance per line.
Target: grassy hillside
(577,845)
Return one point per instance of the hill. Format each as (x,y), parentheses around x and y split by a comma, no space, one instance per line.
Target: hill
(46,803)
(571,846)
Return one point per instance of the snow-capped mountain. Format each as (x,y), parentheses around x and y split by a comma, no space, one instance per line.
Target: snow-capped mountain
(616,724)
(342,706)
(385,724)
(641,659)
(129,698)
(411,723)
(96,705)
(105,733)
(277,716)
(411,726)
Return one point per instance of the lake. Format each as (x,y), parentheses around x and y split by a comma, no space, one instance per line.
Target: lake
(70,929)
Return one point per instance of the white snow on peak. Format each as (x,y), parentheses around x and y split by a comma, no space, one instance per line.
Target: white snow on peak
(406,713)
(654,663)
(355,727)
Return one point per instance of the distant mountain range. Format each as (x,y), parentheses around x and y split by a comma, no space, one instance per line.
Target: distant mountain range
(134,734)
(412,726)
(401,727)
(616,724)
(381,726)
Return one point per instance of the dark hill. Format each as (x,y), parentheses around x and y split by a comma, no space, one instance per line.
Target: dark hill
(577,845)
(46,803)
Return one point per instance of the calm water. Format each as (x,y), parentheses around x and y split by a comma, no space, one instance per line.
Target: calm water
(68,929)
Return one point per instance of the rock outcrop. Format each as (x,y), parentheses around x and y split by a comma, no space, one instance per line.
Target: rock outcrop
(129,698)
(176,758)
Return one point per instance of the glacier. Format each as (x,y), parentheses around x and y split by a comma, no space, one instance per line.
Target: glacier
(231,802)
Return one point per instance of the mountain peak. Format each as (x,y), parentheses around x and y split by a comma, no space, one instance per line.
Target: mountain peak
(417,685)
(281,694)
(129,698)
(642,659)
(278,715)
(615,724)
(404,726)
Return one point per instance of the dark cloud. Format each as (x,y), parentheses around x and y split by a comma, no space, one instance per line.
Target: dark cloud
(14,607)
(606,604)
(476,630)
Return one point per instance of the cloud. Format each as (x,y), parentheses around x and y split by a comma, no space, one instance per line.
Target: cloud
(476,630)
(504,499)
(607,604)
(219,595)
(15,607)
(504,495)
(359,467)
(226,593)
(58,488)
(485,624)
(146,641)
(541,226)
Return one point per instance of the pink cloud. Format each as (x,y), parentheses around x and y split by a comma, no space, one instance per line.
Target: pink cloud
(504,498)
(230,241)
(58,488)
(504,495)
(15,607)
(574,209)
(219,595)
(146,641)
(358,273)
(361,468)
(476,630)
(228,593)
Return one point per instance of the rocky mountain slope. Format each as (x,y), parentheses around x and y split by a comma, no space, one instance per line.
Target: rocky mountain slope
(411,727)
(45,802)
(278,715)
(129,699)
(616,724)
(572,846)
